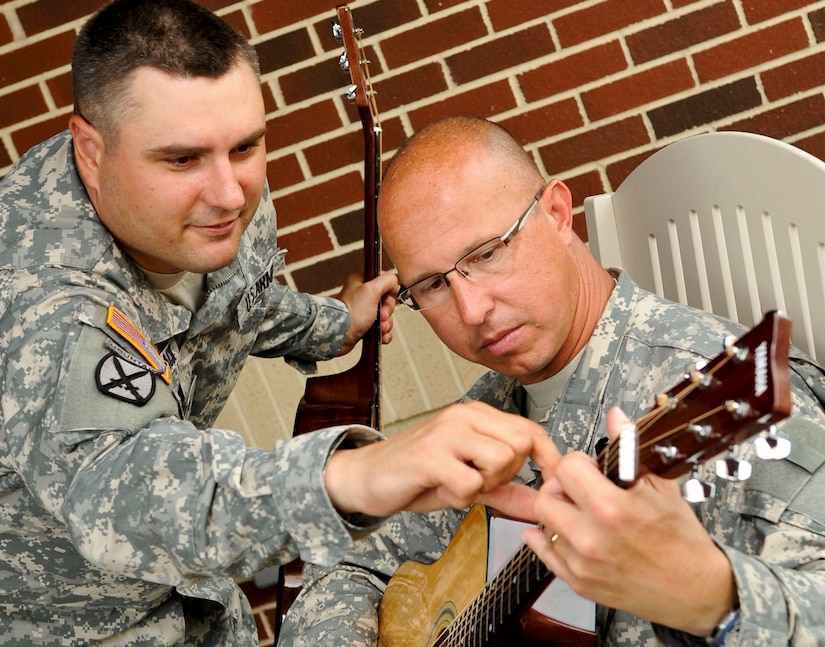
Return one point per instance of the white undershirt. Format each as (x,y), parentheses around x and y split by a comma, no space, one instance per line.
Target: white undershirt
(541,396)
(183,288)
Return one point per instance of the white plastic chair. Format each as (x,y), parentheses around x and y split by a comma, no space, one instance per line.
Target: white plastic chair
(729,222)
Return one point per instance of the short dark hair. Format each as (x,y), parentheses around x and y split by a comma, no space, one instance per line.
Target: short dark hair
(178,37)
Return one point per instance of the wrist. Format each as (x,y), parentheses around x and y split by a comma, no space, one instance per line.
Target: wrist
(338,482)
(726,626)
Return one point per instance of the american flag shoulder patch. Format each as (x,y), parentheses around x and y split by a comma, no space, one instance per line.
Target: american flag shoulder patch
(120,323)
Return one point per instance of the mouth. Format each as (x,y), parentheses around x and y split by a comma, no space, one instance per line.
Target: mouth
(219,229)
(500,343)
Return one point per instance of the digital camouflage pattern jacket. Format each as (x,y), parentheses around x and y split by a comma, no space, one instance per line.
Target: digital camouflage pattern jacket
(124,516)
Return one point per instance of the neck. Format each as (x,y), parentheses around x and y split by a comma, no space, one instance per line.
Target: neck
(595,287)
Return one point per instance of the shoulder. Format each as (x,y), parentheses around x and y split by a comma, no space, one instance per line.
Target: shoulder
(45,212)
(660,322)
(41,174)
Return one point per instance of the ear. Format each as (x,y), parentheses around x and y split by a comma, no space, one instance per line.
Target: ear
(557,201)
(89,149)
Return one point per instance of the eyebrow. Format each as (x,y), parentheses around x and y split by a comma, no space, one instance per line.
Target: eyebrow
(468,250)
(176,150)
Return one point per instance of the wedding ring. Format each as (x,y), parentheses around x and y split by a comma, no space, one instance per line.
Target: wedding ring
(554,538)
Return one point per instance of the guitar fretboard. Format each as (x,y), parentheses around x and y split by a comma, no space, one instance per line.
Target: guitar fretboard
(513,590)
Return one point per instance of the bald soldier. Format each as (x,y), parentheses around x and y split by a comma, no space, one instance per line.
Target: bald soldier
(486,251)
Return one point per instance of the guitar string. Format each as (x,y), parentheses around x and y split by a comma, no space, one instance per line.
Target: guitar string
(458,628)
(367,76)
(608,458)
(472,618)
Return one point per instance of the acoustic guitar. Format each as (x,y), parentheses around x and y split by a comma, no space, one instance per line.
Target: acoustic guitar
(740,393)
(352,396)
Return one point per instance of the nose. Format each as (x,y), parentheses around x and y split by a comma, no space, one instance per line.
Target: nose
(223,188)
(472,300)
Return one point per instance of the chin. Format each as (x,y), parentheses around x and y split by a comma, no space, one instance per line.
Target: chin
(525,373)
(217,260)
(213,267)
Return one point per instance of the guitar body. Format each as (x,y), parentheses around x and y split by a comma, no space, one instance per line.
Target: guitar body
(422,600)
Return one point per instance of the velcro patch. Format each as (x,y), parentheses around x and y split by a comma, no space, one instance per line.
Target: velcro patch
(124,380)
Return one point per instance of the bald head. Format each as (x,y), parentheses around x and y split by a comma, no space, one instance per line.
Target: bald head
(453,189)
(444,145)
(445,163)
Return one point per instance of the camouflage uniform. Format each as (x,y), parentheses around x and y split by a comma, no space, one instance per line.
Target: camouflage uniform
(123,514)
(772,527)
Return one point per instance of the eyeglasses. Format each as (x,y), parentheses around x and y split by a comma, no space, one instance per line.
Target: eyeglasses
(478,265)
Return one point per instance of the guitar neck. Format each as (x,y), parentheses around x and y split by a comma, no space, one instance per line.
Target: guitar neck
(353,396)
(372,241)
(372,181)
(364,97)
(370,361)
(513,590)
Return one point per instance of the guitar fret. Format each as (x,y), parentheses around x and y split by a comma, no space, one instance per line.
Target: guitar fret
(487,615)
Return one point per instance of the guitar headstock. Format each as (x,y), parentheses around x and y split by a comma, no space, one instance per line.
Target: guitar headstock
(354,61)
(743,391)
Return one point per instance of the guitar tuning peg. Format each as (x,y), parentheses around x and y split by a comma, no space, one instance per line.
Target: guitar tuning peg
(698,365)
(668,453)
(343,62)
(695,373)
(739,409)
(772,447)
(667,401)
(732,468)
(351,93)
(738,352)
(695,490)
(700,430)
(337,32)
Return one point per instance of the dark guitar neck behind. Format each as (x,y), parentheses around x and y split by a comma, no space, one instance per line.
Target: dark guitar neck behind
(353,396)
(350,397)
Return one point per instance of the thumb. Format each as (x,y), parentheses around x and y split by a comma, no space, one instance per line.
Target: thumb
(349,289)
(513,500)
(386,283)
(617,420)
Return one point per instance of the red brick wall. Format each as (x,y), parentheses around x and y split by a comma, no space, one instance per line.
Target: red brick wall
(590,88)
